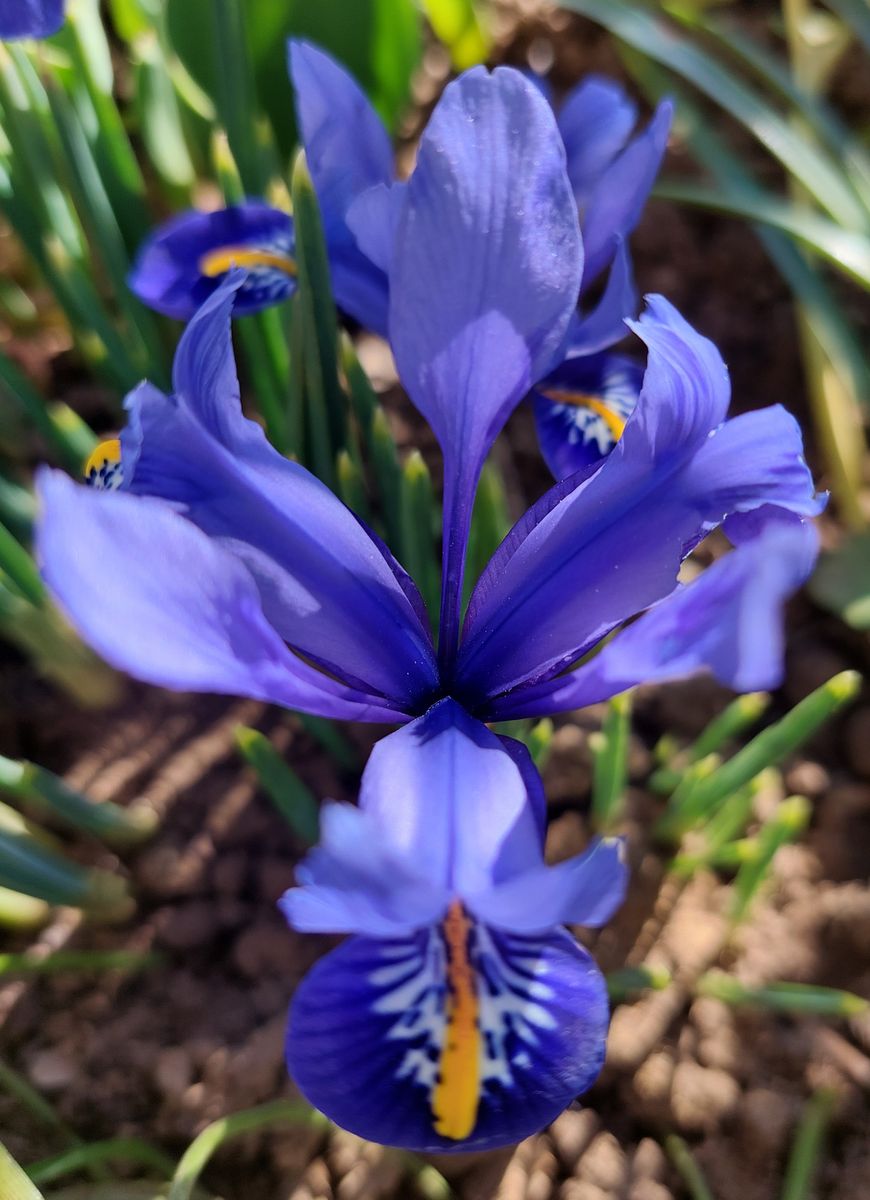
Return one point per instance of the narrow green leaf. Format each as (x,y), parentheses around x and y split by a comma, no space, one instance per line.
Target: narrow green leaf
(767,749)
(27,867)
(788,822)
(281,1112)
(55,649)
(806,1149)
(235,93)
(159,119)
(691,1174)
(419,530)
(627,982)
(733,721)
(824,121)
(352,485)
(388,473)
(728,821)
(540,742)
(658,40)
(22,913)
(20,567)
(829,323)
(326,403)
(91,85)
(610,764)
(846,249)
(122,1150)
(14,1184)
(802,998)
(291,797)
(75,961)
(35,1104)
(332,740)
(48,794)
(63,436)
(490,524)
(105,237)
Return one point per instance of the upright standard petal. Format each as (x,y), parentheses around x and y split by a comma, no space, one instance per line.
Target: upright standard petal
(728,622)
(595,120)
(187,258)
(605,324)
(611,546)
(158,599)
(348,151)
(615,202)
(485,277)
(30,18)
(447,797)
(326,586)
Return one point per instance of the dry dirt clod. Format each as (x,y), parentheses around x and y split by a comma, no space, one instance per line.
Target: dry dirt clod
(605,1163)
(572,1132)
(649,1189)
(766,1120)
(702,1096)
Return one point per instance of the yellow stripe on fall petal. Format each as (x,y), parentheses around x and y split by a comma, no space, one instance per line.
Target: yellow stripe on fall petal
(615,424)
(218,262)
(456,1095)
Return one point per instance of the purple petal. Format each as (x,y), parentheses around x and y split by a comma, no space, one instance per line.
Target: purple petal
(348,151)
(595,120)
(451,803)
(612,545)
(30,18)
(169,276)
(615,202)
(158,599)
(368,1027)
(325,585)
(606,324)
(484,280)
(585,890)
(728,622)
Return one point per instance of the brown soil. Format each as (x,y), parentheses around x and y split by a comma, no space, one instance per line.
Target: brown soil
(162,1053)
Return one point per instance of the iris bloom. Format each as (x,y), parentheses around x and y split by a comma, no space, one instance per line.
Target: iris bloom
(459,1015)
(219,565)
(30,18)
(184,261)
(348,151)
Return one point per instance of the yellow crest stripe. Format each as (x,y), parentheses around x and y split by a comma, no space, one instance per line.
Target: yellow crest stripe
(456,1095)
(615,424)
(106,452)
(218,262)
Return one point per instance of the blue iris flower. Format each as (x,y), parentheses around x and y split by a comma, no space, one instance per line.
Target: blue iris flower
(460,1014)
(187,258)
(204,560)
(220,565)
(348,152)
(30,18)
